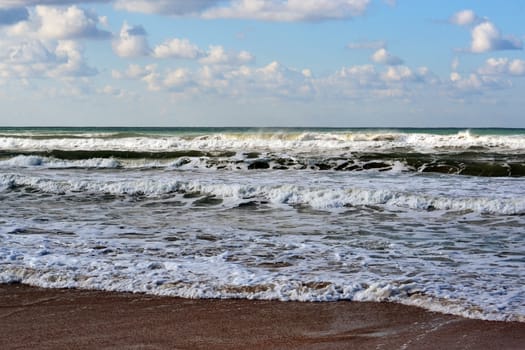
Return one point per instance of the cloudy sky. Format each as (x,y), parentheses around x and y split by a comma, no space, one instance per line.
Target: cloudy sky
(378,63)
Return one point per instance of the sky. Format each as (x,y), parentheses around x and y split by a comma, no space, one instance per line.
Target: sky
(302,63)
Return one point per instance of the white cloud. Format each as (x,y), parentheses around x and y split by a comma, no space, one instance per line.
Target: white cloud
(382,56)
(472,82)
(30,51)
(217,55)
(22,3)
(290,10)
(503,66)
(70,53)
(463,18)
(147,74)
(277,81)
(400,73)
(355,82)
(132,42)
(177,48)
(273,80)
(517,67)
(56,23)
(361,73)
(69,23)
(476,83)
(267,10)
(177,78)
(494,75)
(168,7)
(486,37)
(134,71)
(307,73)
(34,59)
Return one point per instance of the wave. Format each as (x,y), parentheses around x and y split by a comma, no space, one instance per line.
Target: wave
(274,289)
(237,195)
(294,142)
(466,163)
(37,161)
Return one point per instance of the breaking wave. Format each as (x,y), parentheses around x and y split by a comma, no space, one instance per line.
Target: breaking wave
(195,192)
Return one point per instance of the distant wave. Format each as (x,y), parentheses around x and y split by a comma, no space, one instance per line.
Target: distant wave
(294,142)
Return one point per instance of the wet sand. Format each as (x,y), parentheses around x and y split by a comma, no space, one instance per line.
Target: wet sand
(34,318)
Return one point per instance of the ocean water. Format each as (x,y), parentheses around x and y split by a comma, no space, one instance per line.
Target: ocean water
(433,218)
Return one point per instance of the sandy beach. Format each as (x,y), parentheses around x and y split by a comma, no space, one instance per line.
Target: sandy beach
(35,318)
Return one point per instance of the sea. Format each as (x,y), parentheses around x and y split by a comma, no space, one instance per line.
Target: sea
(433,218)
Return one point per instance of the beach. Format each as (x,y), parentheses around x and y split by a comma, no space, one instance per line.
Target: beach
(36,318)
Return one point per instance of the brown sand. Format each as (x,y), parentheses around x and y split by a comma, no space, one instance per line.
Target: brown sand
(34,318)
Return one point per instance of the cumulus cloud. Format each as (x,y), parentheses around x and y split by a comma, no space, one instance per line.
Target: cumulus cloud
(503,66)
(495,74)
(486,37)
(477,84)
(169,7)
(267,10)
(177,79)
(273,79)
(134,71)
(70,54)
(355,82)
(382,56)
(463,18)
(217,55)
(22,3)
(34,59)
(169,80)
(30,51)
(290,10)
(277,81)
(131,42)
(177,48)
(69,23)
(401,73)
(472,82)
(58,23)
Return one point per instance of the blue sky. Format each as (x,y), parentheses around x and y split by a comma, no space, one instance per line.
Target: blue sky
(339,63)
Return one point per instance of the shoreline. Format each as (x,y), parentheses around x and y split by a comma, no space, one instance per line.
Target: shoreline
(38,318)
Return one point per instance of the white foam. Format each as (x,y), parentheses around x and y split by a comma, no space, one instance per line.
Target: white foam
(325,198)
(196,279)
(417,239)
(37,161)
(297,143)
